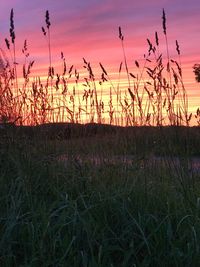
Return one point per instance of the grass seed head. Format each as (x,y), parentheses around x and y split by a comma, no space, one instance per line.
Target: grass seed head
(48,24)
(12,32)
(164,22)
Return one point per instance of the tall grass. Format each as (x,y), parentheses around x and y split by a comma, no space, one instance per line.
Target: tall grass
(99,201)
(127,197)
(155,93)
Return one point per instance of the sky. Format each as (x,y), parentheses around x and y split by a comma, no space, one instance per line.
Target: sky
(89,29)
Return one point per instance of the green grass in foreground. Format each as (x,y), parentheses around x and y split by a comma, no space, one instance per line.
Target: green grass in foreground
(60,208)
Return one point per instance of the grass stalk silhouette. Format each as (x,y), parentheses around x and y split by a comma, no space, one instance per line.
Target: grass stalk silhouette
(154,94)
(12,35)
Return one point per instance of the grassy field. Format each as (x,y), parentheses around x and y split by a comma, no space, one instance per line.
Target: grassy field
(96,195)
(73,195)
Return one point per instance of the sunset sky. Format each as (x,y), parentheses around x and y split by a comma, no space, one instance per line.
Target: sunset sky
(89,29)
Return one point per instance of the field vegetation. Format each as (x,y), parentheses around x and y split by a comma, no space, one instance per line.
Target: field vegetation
(75,191)
(152,93)
(99,196)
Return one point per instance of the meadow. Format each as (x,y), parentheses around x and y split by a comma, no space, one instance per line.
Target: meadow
(75,191)
(104,196)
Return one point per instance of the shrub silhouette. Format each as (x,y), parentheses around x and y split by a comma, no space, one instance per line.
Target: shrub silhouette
(196,70)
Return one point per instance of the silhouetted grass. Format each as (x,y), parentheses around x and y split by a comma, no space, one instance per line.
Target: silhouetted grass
(153,95)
